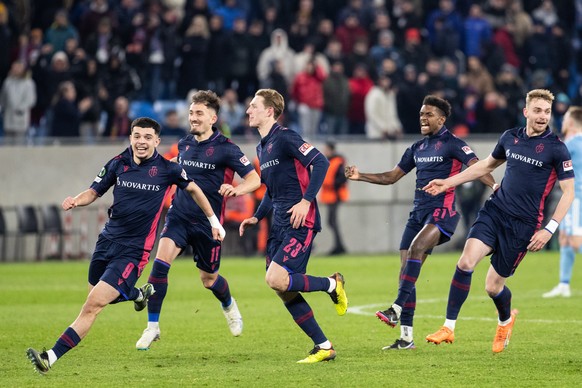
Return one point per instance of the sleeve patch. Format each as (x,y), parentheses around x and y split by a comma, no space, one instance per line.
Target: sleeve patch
(244,160)
(184,175)
(467,150)
(567,165)
(305,148)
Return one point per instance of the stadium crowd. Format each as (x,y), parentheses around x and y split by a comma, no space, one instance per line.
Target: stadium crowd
(82,68)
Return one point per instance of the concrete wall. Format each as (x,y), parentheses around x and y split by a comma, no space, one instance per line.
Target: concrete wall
(371,222)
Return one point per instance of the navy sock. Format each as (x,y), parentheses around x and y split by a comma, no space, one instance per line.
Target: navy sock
(503,303)
(408,280)
(307,283)
(67,341)
(303,316)
(458,292)
(221,291)
(159,279)
(408,309)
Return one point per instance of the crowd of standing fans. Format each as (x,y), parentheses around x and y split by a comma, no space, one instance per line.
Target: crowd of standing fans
(74,68)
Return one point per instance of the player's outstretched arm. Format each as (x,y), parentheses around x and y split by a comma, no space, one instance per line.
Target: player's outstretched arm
(250,183)
(218,232)
(82,199)
(382,178)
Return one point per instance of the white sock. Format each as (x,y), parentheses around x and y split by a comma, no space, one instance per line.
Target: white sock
(505,323)
(450,323)
(406,333)
(154,325)
(324,345)
(398,309)
(52,357)
(332,284)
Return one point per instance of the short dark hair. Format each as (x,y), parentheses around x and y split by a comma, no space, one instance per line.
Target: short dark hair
(146,122)
(440,103)
(207,98)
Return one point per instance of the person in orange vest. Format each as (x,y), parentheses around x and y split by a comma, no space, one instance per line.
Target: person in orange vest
(333,192)
(265,223)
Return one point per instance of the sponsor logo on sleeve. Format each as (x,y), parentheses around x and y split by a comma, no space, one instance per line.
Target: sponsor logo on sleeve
(305,148)
(245,161)
(467,150)
(567,165)
(100,175)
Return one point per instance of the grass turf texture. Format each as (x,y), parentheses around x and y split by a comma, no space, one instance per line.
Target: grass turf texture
(40,300)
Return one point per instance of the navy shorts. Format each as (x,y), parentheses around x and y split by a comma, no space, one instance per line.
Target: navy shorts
(117,265)
(444,219)
(199,237)
(508,236)
(290,248)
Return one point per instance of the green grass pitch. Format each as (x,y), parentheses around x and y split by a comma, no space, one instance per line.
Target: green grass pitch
(38,301)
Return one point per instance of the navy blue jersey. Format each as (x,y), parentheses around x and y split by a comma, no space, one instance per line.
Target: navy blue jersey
(210,163)
(284,159)
(436,157)
(533,165)
(137,196)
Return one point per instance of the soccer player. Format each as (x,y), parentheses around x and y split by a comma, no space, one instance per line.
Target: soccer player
(211,159)
(140,177)
(571,229)
(510,222)
(433,220)
(293,171)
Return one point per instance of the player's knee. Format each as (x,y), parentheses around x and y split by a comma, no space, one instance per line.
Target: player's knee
(465,264)
(276,283)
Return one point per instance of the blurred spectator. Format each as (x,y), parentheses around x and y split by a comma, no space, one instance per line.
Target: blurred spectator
(537,48)
(382,120)
(561,105)
(307,55)
(323,35)
(360,84)
(415,51)
(495,11)
(118,122)
(303,25)
(409,98)
(431,79)
(491,114)
(445,28)
(454,85)
(562,57)
(501,50)
(5,38)
(60,30)
(171,126)
(193,53)
(89,86)
(477,31)
(119,79)
(333,51)
(90,19)
(101,42)
(360,55)
(479,80)
(230,12)
(405,15)
(519,24)
(240,60)
(349,31)
(385,49)
(546,14)
(29,47)
(509,84)
(336,100)
(66,112)
(381,23)
(232,113)
(218,55)
(360,8)
(307,92)
(280,52)
(17,97)
(194,8)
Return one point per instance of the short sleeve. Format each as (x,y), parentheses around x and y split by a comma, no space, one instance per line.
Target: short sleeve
(407,163)
(499,150)
(299,148)
(563,162)
(106,177)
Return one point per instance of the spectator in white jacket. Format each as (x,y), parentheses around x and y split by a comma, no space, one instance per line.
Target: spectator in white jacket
(382,120)
(17,97)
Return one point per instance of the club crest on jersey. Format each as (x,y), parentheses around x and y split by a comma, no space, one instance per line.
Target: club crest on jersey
(153,171)
(540,148)
(305,148)
(422,146)
(187,147)
(567,165)
(515,140)
(467,150)
(244,160)
(269,147)
(438,145)
(210,151)
(125,168)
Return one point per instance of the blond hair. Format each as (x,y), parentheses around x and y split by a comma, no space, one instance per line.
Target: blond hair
(544,94)
(272,99)
(575,113)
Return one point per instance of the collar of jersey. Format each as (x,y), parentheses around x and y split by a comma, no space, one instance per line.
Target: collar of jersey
(145,162)
(523,134)
(439,133)
(272,131)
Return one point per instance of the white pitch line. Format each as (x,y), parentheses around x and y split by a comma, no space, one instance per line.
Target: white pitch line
(370,310)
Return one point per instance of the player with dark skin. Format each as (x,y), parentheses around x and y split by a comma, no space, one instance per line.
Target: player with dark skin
(432,120)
